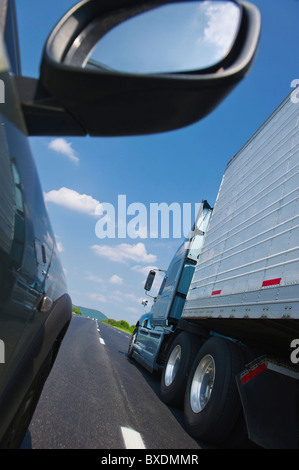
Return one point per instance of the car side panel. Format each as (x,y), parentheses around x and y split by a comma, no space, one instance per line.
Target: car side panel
(29,263)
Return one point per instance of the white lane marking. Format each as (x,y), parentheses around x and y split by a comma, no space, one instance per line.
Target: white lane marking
(101,340)
(133,439)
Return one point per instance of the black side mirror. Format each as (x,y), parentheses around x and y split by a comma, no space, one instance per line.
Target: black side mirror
(149,281)
(102,98)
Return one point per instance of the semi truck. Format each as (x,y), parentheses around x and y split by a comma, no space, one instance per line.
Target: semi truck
(224,326)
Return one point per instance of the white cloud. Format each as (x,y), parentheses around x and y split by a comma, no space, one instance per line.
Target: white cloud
(72,200)
(98,297)
(134,310)
(125,252)
(116,296)
(222,21)
(143,269)
(95,279)
(115,279)
(59,247)
(132,297)
(60,145)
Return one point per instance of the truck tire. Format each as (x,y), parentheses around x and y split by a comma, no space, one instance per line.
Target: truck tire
(177,366)
(212,405)
(132,342)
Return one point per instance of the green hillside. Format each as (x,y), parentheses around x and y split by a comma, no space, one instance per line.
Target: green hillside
(91,312)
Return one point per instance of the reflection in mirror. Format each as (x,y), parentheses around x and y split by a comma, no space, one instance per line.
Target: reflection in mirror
(176,37)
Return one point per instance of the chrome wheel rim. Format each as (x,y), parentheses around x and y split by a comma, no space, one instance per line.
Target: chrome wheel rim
(202,383)
(172,365)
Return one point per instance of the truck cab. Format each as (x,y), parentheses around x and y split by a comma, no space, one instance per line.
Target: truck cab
(157,326)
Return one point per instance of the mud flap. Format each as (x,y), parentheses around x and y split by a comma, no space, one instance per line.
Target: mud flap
(269,396)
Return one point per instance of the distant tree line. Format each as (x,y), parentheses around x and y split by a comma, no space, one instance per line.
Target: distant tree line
(120,324)
(77,311)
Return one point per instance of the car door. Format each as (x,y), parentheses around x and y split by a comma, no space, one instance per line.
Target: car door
(26,256)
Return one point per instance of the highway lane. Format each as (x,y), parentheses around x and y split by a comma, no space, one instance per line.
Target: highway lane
(160,426)
(97,398)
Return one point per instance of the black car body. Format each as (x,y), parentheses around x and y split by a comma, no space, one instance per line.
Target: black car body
(35,309)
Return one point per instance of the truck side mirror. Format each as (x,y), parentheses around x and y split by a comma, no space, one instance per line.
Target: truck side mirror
(150,279)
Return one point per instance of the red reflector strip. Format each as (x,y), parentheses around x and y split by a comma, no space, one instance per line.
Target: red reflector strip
(271,282)
(253,373)
(216,292)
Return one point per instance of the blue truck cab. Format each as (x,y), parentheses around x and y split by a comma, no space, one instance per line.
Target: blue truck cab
(155,328)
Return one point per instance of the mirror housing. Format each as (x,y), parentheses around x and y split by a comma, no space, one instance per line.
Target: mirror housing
(149,281)
(110,103)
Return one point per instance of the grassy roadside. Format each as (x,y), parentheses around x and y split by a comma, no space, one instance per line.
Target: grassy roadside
(120,325)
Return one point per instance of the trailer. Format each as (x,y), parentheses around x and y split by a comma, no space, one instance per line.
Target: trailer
(224,328)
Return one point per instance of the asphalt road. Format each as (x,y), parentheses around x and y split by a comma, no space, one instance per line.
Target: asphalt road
(97,398)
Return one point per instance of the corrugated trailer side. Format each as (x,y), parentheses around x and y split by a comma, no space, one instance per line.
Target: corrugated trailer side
(249,265)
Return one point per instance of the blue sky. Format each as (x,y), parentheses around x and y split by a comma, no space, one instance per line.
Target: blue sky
(183,166)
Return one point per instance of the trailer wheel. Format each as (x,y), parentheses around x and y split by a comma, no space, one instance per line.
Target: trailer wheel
(212,405)
(176,369)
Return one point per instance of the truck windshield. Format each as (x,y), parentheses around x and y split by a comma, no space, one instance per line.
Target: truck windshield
(201,228)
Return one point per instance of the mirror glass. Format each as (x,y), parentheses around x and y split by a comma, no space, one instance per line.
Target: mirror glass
(176,37)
